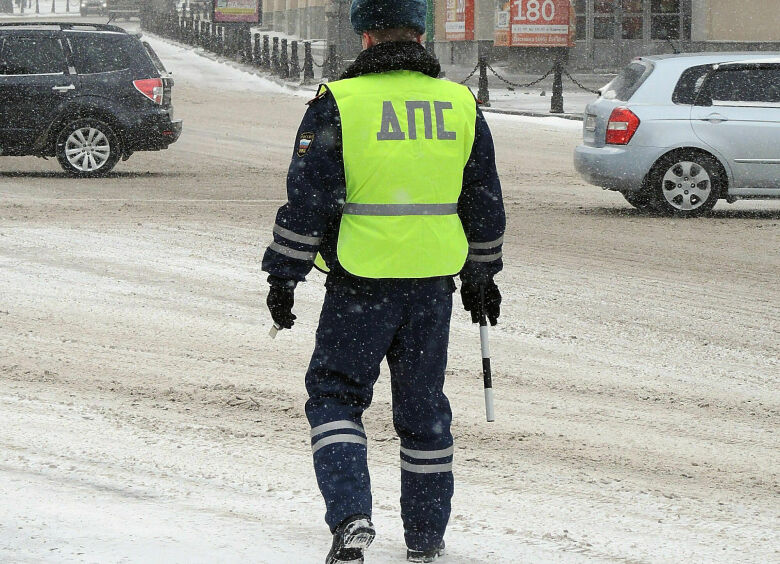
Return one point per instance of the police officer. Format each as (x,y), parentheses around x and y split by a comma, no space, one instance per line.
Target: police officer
(392,190)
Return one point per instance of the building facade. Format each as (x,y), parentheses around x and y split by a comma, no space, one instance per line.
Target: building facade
(608,33)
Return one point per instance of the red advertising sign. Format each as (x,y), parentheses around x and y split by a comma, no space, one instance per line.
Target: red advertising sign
(460,20)
(535,23)
(244,11)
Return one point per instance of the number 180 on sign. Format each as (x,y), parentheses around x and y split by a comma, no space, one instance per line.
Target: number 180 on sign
(540,23)
(534,10)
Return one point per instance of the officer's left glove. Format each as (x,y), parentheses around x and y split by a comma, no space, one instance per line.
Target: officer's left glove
(280,301)
(470,295)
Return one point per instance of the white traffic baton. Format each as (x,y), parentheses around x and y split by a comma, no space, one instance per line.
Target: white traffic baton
(484,340)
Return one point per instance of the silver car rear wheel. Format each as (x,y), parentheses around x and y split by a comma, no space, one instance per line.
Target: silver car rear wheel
(686,186)
(685,183)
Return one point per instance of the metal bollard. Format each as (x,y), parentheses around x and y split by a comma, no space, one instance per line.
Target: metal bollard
(483,94)
(556,102)
(275,56)
(332,64)
(295,65)
(284,65)
(308,63)
(230,41)
(248,46)
(265,58)
(256,50)
(193,37)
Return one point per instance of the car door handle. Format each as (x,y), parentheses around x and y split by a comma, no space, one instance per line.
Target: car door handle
(63,88)
(716,118)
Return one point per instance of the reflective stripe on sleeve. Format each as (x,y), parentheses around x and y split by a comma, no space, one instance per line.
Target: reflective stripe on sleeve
(293,236)
(428,454)
(426,468)
(292,253)
(333,425)
(484,258)
(338,439)
(400,209)
(487,245)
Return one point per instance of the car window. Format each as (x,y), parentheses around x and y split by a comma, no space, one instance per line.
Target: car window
(155,59)
(95,53)
(689,84)
(752,85)
(628,81)
(31,55)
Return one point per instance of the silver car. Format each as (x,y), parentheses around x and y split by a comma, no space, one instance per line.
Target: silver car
(675,133)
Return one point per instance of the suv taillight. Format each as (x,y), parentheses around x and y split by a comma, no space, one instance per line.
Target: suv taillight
(621,127)
(152,88)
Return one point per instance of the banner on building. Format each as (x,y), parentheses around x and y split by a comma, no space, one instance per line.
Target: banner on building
(535,23)
(460,20)
(241,11)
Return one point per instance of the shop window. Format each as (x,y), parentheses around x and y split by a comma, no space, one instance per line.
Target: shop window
(632,6)
(632,28)
(604,28)
(604,20)
(670,19)
(580,8)
(604,6)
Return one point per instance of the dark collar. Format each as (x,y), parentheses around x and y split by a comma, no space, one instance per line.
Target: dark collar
(394,56)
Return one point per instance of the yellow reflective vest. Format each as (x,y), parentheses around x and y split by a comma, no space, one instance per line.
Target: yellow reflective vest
(406,140)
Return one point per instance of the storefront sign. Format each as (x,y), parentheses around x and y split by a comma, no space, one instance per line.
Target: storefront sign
(460,20)
(535,23)
(244,11)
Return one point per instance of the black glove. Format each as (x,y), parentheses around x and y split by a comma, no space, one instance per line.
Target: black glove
(281,298)
(470,294)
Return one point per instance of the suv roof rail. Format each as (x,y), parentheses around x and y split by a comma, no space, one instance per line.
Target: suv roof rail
(65,25)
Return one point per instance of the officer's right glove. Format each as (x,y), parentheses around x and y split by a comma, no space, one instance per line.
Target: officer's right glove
(470,295)
(281,298)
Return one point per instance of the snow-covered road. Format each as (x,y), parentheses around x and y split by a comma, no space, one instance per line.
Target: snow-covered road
(145,415)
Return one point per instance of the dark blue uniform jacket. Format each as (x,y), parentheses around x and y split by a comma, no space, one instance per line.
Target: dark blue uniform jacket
(316,186)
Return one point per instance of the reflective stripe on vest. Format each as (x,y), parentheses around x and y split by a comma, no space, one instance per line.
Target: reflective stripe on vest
(400,209)
(406,139)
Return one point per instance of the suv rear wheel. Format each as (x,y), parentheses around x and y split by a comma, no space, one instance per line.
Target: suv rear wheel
(87,148)
(685,184)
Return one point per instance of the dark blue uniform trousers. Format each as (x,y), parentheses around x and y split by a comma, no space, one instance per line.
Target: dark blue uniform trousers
(408,322)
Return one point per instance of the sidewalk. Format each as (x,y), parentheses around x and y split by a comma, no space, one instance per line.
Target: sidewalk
(533,100)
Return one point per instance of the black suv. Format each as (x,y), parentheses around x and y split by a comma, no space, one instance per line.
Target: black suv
(88,94)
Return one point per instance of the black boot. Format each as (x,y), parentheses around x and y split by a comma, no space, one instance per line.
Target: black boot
(352,537)
(429,555)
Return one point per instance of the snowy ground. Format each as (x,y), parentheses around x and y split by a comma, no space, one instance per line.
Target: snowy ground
(147,417)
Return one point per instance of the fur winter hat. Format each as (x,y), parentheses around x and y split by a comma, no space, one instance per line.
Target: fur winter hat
(368,15)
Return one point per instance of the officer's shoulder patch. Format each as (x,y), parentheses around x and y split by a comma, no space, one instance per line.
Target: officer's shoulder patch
(321,93)
(304,142)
